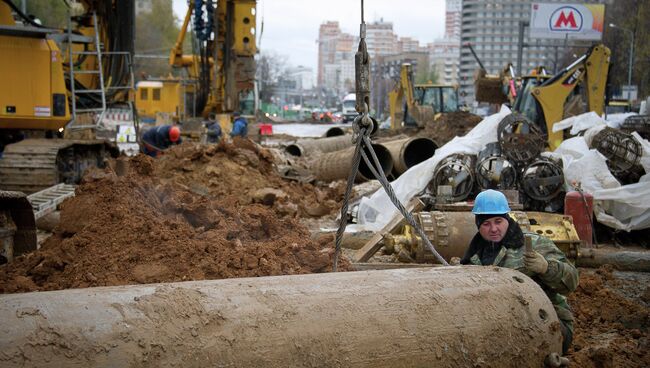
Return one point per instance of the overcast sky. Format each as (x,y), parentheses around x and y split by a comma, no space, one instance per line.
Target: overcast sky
(291,26)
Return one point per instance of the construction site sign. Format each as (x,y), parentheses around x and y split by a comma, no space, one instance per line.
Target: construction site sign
(567,21)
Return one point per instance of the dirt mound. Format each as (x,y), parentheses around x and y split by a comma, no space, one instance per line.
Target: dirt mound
(243,169)
(610,329)
(140,228)
(450,125)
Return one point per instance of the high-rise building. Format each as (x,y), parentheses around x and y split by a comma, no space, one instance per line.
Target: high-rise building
(444,54)
(452,18)
(380,38)
(492,27)
(328,35)
(408,44)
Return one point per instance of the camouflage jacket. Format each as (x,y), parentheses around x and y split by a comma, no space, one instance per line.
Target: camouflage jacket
(560,279)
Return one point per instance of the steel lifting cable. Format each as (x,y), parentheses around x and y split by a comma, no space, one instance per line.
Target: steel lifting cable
(364,125)
(356,159)
(381,176)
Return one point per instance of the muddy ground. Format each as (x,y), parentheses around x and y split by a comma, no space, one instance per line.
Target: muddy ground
(612,319)
(191,215)
(207,213)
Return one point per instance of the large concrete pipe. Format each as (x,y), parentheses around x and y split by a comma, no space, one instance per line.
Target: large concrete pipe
(409,152)
(442,317)
(304,147)
(336,165)
(334,132)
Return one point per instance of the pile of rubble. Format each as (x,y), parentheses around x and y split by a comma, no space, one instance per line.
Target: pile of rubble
(175,219)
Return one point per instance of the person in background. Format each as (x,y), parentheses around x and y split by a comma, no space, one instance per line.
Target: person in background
(500,242)
(240,125)
(214,130)
(160,138)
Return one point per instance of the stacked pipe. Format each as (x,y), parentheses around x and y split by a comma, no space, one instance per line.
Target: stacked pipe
(336,165)
(332,157)
(408,152)
(306,147)
(352,319)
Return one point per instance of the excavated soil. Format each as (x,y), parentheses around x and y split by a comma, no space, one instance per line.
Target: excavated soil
(450,125)
(154,225)
(611,324)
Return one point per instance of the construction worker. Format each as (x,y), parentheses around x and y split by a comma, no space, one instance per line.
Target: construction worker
(240,125)
(158,139)
(214,129)
(500,242)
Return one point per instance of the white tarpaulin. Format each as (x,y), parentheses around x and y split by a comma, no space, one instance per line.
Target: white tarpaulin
(376,211)
(624,207)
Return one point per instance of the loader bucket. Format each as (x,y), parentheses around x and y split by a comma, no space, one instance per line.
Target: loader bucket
(488,88)
(17,225)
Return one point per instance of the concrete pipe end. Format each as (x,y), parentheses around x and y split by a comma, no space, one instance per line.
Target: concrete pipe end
(418,150)
(294,150)
(334,132)
(385,160)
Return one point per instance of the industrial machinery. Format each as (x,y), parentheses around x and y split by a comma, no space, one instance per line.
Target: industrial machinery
(448,230)
(419,104)
(546,102)
(220,71)
(17,226)
(54,80)
(545,99)
(494,89)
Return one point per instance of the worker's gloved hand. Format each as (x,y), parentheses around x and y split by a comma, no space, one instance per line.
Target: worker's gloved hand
(535,262)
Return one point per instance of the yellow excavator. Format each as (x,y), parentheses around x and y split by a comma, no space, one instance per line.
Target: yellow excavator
(50,78)
(413,104)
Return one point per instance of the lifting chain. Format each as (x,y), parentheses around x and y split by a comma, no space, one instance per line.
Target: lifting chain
(364,126)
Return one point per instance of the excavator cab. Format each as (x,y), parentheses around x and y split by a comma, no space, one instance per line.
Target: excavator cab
(526,104)
(442,98)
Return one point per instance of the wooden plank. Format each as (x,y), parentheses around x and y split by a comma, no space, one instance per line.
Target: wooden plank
(374,244)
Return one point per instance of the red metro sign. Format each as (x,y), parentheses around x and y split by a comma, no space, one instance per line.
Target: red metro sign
(567,19)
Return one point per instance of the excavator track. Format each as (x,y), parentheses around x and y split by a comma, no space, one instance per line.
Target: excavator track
(32,165)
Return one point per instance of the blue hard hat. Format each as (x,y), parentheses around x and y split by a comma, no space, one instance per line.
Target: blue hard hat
(490,202)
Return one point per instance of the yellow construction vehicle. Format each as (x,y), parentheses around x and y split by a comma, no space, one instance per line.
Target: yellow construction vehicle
(50,78)
(419,104)
(546,101)
(221,68)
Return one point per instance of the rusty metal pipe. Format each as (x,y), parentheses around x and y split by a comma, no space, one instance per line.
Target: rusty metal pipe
(409,152)
(443,317)
(336,165)
(305,147)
